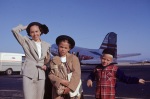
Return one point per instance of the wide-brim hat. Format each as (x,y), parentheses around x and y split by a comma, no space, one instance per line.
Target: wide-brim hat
(65,37)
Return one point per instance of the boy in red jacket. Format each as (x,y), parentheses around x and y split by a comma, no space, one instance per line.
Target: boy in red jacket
(105,76)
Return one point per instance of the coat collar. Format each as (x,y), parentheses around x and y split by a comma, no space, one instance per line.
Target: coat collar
(57,59)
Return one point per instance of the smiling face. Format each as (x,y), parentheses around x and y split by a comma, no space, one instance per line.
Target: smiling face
(63,48)
(106,59)
(35,33)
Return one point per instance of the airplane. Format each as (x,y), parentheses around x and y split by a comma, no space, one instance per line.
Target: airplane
(92,56)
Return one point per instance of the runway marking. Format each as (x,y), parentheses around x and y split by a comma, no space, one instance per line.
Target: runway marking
(116,97)
(10,90)
(89,95)
(128,98)
(19,79)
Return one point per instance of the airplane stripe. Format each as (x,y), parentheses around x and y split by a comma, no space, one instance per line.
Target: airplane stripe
(112,45)
(105,47)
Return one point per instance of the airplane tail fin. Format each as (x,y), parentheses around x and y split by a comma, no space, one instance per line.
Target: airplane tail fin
(110,41)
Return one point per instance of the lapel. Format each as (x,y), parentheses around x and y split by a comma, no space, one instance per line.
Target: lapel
(69,57)
(57,59)
(70,61)
(43,49)
(35,49)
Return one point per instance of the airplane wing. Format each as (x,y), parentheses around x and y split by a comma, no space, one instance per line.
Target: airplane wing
(128,55)
(91,62)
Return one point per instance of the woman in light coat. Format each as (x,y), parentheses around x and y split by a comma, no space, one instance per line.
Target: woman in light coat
(37,55)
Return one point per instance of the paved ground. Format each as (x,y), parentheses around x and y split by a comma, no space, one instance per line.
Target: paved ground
(11,86)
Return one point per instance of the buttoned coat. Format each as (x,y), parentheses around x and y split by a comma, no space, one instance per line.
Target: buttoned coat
(75,68)
(32,60)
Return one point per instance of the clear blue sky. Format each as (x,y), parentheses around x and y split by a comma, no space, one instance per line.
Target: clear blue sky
(87,21)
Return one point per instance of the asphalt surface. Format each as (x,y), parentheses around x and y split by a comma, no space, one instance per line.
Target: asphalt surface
(11,86)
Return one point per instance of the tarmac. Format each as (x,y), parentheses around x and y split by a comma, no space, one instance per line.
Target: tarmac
(11,86)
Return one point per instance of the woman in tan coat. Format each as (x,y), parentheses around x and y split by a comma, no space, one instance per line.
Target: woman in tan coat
(65,70)
(37,55)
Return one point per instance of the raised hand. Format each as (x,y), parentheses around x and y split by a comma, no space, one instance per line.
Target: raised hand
(24,27)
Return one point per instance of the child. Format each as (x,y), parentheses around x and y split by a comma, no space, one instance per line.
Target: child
(106,74)
(65,72)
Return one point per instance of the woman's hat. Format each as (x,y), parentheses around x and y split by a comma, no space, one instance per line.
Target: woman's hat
(65,37)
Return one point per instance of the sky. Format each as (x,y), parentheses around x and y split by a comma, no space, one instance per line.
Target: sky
(87,21)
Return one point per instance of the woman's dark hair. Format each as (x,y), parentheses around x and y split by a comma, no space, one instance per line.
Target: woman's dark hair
(43,28)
